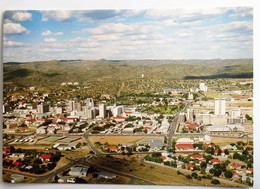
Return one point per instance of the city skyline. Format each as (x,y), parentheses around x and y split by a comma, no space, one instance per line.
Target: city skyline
(128,34)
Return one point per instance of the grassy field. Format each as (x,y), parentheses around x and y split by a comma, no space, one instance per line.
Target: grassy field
(213,94)
(243,104)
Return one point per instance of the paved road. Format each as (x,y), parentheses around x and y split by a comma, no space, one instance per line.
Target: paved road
(173,127)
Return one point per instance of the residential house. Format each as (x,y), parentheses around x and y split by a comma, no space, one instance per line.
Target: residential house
(41,130)
(190,166)
(18,155)
(66,179)
(112,148)
(45,157)
(197,156)
(184,147)
(6,150)
(215,161)
(234,166)
(185,141)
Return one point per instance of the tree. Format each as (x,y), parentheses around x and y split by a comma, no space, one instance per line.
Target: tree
(217,172)
(37,161)
(194,175)
(228,174)
(248,117)
(156,154)
(80,180)
(168,163)
(209,150)
(215,181)
(226,152)
(51,166)
(203,164)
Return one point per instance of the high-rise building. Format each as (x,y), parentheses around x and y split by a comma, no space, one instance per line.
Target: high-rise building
(102,110)
(71,105)
(182,117)
(220,106)
(117,110)
(58,110)
(42,108)
(190,96)
(89,112)
(78,106)
(190,114)
(203,87)
(89,102)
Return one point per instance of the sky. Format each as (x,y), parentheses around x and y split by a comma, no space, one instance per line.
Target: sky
(208,33)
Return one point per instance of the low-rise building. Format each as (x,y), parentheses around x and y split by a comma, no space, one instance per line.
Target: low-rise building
(78,171)
(105,175)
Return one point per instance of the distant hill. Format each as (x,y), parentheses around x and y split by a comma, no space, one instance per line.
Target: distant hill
(44,73)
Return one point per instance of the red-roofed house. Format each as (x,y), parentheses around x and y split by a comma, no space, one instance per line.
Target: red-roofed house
(216,152)
(128,113)
(184,147)
(163,157)
(250,170)
(197,156)
(190,166)
(45,157)
(210,146)
(6,150)
(119,118)
(17,163)
(234,166)
(215,161)
(112,148)
(192,126)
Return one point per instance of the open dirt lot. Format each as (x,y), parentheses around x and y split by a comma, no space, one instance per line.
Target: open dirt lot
(114,140)
(160,175)
(225,141)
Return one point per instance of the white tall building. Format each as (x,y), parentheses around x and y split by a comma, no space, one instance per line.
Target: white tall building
(220,106)
(190,96)
(71,105)
(102,110)
(117,110)
(203,87)
(42,108)
(190,114)
(89,102)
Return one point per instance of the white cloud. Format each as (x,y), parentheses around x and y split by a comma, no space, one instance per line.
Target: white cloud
(14,28)
(184,13)
(49,33)
(46,33)
(126,29)
(7,21)
(241,12)
(12,44)
(22,16)
(184,34)
(61,15)
(49,40)
(58,33)
(105,37)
